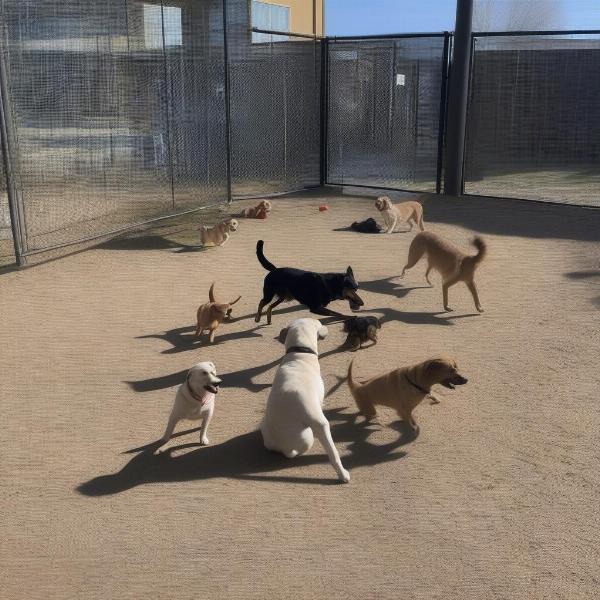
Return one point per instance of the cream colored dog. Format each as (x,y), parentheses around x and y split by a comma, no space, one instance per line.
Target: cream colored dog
(294,414)
(195,399)
(451,262)
(219,234)
(405,212)
(403,389)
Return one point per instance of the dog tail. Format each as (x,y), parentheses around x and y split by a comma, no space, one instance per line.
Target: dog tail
(211,292)
(232,303)
(351,383)
(420,216)
(261,257)
(481,246)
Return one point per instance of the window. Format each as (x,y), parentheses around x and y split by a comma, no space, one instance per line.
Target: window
(271,17)
(153,26)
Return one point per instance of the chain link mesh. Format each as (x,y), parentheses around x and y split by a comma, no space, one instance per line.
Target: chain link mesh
(117,111)
(534,118)
(275,109)
(384,108)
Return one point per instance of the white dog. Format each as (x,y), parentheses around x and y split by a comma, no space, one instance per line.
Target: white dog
(295,405)
(195,399)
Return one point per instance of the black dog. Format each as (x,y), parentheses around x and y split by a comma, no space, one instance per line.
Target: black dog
(314,290)
(360,330)
(368,226)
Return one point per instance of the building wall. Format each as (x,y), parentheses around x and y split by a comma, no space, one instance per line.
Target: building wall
(301,13)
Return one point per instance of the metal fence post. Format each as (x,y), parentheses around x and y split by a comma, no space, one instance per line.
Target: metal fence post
(442,116)
(8,154)
(227,105)
(458,98)
(324,108)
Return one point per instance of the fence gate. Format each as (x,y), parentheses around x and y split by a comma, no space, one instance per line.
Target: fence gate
(385,110)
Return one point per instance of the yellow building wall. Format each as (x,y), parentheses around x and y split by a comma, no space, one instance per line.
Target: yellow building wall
(301,15)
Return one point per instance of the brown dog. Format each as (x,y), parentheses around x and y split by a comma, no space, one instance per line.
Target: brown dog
(219,234)
(405,212)
(212,314)
(451,262)
(260,211)
(403,389)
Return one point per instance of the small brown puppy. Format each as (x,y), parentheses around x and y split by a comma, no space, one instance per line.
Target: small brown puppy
(212,314)
(453,264)
(260,211)
(219,234)
(403,389)
(360,330)
(405,212)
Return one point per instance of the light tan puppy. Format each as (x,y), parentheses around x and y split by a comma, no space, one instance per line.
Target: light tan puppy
(403,389)
(212,314)
(219,234)
(404,212)
(451,262)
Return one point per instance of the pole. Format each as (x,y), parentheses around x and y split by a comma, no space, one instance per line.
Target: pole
(227,105)
(8,150)
(458,97)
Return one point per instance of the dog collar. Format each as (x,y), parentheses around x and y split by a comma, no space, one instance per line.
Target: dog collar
(193,394)
(421,389)
(301,349)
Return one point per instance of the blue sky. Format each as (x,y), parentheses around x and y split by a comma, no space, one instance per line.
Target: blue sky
(355,17)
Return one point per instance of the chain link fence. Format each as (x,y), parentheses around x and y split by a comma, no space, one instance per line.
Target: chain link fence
(124,111)
(386,103)
(534,117)
(120,112)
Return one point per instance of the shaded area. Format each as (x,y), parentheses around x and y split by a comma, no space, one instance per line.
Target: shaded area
(243,457)
(515,217)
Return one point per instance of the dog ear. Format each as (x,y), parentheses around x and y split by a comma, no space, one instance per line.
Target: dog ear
(349,272)
(282,335)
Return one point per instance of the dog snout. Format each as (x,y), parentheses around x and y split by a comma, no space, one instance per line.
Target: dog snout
(215,380)
(459,380)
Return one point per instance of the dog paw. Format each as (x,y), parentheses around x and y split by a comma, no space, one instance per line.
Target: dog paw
(448,309)
(480,309)
(204,441)
(344,476)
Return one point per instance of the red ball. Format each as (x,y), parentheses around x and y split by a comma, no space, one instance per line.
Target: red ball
(323,208)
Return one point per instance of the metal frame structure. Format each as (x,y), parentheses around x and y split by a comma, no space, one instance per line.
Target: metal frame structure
(448,140)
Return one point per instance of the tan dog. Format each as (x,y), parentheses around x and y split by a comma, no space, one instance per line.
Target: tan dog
(403,389)
(219,234)
(212,314)
(260,211)
(451,262)
(405,212)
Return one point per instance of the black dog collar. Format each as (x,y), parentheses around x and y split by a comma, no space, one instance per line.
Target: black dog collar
(301,349)
(426,392)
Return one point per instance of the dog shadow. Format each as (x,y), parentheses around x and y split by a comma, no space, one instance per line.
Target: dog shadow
(242,378)
(412,318)
(242,457)
(590,274)
(183,339)
(389,287)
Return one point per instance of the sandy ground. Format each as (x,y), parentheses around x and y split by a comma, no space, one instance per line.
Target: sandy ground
(497,498)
